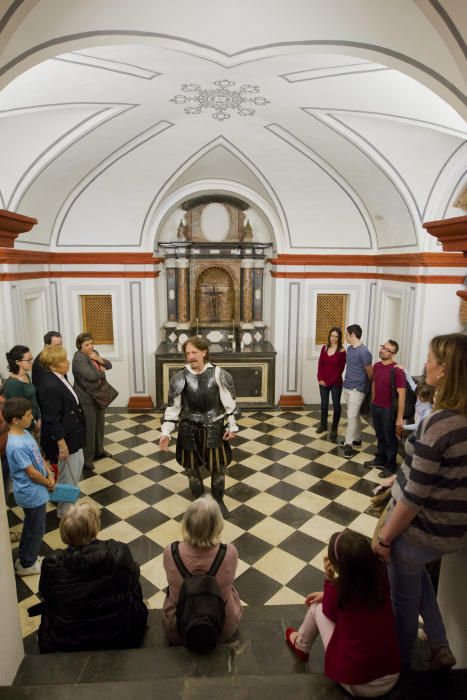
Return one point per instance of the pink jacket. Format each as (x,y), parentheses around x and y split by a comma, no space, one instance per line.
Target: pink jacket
(199,560)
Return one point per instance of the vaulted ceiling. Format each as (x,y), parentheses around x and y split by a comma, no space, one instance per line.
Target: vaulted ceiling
(342,123)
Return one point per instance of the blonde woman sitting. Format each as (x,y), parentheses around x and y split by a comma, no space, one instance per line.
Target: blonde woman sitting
(201,530)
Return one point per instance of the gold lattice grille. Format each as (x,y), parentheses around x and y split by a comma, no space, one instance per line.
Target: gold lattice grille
(331,311)
(97,317)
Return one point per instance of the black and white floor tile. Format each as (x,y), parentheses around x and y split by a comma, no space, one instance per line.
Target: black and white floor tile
(288,489)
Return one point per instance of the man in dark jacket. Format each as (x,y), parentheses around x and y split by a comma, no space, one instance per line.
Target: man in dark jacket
(92,597)
(38,372)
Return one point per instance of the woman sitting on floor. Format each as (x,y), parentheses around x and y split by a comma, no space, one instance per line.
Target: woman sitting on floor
(91,594)
(201,528)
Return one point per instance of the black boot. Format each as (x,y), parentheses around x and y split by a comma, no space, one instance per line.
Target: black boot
(217,488)
(333,433)
(196,487)
(322,428)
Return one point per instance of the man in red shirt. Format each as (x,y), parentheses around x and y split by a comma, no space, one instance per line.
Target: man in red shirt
(387,409)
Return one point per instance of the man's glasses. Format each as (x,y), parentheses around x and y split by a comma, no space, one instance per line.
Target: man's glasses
(383,347)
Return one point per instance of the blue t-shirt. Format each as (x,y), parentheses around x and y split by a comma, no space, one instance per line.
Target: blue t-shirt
(23,451)
(355,376)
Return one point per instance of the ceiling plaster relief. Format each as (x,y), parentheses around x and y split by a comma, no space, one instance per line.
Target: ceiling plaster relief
(220,99)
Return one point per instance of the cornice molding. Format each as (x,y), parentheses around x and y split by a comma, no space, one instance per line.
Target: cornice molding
(41,274)
(417,279)
(451,233)
(386,260)
(11,225)
(36,257)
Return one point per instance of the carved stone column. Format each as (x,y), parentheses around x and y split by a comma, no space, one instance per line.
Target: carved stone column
(183,265)
(247,291)
(171,277)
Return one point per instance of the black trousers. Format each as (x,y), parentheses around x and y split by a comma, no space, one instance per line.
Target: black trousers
(335,392)
(384,423)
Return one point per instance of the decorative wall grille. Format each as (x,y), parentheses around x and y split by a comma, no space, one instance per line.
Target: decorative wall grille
(331,310)
(96,310)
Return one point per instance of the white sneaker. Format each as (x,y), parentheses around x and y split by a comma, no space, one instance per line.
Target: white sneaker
(28,570)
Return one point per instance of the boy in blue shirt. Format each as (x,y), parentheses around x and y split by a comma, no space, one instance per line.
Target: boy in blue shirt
(32,481)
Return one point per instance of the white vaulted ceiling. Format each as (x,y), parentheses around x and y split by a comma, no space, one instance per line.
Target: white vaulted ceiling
(345,123)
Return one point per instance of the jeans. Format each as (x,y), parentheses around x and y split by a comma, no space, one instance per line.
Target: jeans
(6,476)
(354,400)
(32,534)
(412,595)
(384,423)
(335,392)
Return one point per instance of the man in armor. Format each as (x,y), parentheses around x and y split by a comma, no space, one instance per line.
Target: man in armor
(201,397)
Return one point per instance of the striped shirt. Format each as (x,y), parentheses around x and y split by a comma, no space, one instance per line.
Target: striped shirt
(433,481)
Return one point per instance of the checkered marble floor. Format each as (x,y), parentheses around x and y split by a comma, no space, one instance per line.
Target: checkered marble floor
(288,489)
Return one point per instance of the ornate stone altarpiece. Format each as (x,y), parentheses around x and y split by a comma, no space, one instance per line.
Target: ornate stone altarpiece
(214,274)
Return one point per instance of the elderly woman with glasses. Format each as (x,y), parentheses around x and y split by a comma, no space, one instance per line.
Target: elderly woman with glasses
(19,382)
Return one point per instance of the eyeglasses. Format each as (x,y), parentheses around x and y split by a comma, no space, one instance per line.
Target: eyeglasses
(383,347)
(25,359)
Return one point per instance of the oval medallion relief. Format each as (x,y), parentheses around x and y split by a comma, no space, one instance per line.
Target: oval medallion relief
(215,222)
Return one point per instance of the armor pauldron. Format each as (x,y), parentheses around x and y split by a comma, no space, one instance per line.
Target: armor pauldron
(226,381)
(176,386)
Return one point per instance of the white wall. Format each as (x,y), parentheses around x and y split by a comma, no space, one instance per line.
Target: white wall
(436,312)
(11,642)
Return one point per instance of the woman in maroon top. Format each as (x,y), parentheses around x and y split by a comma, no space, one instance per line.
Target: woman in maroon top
(354,618)
(331,364)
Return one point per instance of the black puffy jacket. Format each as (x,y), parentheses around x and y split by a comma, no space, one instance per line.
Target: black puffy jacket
(92,599)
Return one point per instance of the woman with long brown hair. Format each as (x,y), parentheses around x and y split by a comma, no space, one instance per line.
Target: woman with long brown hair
(428,515)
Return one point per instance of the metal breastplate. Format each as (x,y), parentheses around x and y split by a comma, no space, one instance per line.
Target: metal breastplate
(201,401)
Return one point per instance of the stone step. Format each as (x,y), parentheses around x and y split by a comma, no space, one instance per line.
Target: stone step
(416,686)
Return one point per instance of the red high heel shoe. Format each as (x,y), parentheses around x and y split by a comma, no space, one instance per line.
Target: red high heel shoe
(302,655)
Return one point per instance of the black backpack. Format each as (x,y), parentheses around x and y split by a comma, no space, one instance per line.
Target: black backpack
(410,398)
(200,610)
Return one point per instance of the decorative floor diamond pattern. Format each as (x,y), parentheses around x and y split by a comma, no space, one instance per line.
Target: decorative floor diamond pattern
(288,490)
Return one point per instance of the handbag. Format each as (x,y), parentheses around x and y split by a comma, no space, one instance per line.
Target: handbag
(104,394)
(65,493)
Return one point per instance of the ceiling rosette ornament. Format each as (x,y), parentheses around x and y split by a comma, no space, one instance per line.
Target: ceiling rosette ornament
(221,99)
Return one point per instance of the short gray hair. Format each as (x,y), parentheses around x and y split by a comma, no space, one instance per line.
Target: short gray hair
(202,523)
(80,524)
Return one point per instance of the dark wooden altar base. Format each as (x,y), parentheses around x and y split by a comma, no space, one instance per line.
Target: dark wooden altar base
(253,370)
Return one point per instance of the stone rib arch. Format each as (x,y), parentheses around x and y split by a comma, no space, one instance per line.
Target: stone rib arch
(384,55)
(264,196)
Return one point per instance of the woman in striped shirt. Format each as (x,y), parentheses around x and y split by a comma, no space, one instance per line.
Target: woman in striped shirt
(429,514)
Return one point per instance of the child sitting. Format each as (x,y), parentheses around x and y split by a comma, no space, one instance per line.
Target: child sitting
(354,618)
(31,483)
(423,405)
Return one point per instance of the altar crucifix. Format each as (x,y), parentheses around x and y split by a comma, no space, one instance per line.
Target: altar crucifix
(215,295)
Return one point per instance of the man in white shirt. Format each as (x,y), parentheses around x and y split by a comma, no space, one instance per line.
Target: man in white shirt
(201,397)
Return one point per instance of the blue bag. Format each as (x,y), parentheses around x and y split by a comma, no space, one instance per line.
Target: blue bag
(64,493)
